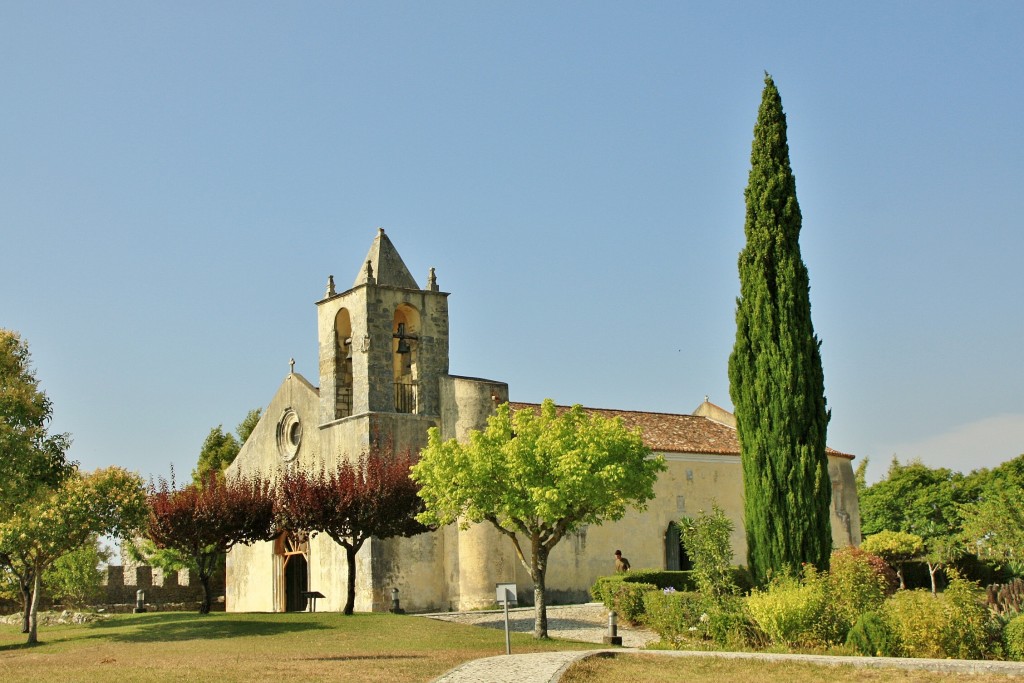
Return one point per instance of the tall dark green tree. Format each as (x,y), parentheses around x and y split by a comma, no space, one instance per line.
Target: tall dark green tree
(775,377)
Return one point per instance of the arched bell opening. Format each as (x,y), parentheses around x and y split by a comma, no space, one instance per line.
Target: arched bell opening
(342,364)
(405,353)
(291,555)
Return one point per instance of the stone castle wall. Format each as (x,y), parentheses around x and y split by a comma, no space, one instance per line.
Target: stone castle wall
(162,588)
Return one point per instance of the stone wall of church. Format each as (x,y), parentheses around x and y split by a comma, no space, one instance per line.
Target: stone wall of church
(691,484)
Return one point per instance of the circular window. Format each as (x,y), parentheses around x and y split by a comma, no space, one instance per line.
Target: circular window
(289,435)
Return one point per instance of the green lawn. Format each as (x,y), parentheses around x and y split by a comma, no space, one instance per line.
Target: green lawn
(655,669)
(180,646)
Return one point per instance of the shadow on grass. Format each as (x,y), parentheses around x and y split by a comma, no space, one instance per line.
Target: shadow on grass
(184,626)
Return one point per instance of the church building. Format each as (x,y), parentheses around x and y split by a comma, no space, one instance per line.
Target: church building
(383,346)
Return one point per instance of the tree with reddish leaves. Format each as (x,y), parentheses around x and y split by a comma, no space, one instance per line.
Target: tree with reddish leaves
(372,496)
(204,523)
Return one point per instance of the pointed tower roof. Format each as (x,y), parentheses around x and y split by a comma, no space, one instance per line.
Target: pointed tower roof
(386,266)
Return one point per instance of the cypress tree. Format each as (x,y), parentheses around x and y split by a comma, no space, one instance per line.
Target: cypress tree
(775,377)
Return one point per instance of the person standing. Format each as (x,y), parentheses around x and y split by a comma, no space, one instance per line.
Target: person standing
(621,563)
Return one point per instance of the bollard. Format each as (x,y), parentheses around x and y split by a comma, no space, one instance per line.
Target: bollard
(140,601)
(395,607)
(613,637)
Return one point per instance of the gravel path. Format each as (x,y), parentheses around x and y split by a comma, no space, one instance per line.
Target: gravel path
(587,623)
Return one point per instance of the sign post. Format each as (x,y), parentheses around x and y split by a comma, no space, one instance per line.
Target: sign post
(506,593)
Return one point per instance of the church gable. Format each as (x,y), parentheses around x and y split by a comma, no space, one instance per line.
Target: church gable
(286,432)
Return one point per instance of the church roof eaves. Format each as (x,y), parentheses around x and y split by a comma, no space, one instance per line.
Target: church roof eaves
(675,433)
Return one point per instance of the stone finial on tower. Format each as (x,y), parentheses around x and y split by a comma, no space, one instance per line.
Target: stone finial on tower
(291,366)
(432,281)
(369,269)
(330,287)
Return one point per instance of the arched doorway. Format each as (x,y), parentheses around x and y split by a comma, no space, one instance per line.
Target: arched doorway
(293,552)
(676,558)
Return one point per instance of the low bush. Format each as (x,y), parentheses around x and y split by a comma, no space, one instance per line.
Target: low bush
(604,588)
(871,637)
(790,611)
(680,581)
(970,632)
(1013,638)
(730,624)
(916,620)
(953,624)
(628,601)
(676,616)
(857,582)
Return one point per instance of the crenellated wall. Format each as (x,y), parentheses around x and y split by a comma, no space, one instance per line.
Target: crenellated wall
(162,588)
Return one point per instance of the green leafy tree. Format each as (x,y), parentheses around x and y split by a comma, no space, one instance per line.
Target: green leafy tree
(537,476)
(75,579)
(246,426)
(920,500)
(775,375)
(32,461)
(706,538)
(30,457)
(221,448)
(993,525)
(895,547)
(108,502)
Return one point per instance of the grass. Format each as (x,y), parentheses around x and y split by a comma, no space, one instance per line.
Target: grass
(227,648)
(658,669)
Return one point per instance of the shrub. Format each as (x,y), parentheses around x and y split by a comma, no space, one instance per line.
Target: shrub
(675,616)
(680,581)
(953,624)
(857,582)
(628,601)
(967,633)
(789,611)
(1013,638)
(706,539)
(871,637)
(916,620)
(604,588)
(730,625)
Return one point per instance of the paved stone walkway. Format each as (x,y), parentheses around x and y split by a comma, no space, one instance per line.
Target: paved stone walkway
(588,623)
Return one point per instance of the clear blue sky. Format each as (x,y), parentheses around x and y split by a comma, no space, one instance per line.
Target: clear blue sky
(177,181)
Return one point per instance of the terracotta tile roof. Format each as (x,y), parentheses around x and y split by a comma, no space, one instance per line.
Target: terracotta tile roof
(671,433)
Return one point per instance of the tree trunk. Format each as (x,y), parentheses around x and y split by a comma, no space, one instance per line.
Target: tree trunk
(932,568)
(350,596)
(899,575)
(538,572)
(26,603)
(205,565)
(33,632)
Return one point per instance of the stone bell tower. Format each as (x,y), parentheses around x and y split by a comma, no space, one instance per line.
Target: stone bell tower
(383,347)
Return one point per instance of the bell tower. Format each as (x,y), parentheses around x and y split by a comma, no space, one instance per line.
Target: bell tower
(383,342)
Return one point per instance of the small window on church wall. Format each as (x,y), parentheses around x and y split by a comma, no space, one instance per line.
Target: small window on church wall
(405,350)
(343,364)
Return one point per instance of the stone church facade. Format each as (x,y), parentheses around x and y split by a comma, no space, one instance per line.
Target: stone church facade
(383,347)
